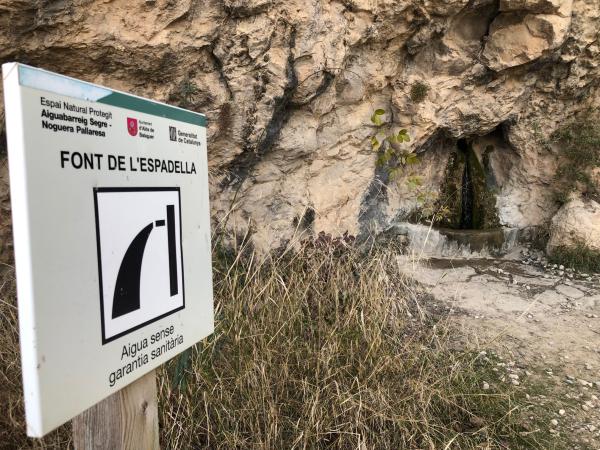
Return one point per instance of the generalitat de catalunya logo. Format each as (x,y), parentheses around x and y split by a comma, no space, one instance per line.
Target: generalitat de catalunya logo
(132,126)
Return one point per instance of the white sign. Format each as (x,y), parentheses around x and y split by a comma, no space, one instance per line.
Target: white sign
(112,238)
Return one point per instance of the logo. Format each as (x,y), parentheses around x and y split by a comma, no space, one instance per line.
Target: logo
(132,126)
(173,133)
(140,262)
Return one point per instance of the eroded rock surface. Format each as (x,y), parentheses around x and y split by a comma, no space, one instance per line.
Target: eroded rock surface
(289,87)
(576,223)
(518,37)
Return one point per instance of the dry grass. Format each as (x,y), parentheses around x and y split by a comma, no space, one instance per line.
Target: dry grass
(12,418)
(318,348)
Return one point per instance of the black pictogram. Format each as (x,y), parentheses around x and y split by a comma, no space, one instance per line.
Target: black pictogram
(127,289)
(116,209)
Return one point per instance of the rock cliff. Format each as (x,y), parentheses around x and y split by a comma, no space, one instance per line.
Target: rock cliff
(289,88)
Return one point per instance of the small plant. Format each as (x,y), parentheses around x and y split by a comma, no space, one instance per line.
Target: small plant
(579,257)
(579,144)
(430,209)
(418,91)
(389,145)
(187,91)
(396,158)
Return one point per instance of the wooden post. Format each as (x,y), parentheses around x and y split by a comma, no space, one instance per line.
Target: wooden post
(127,420)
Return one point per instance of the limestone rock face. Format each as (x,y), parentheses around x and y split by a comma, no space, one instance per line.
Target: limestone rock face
(537,6)
(577,222)
(520,36)
(289,88)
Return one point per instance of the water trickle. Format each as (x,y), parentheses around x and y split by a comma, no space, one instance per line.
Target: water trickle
(424,241)
(467,190)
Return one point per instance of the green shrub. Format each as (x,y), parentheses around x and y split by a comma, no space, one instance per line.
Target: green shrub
(419,91)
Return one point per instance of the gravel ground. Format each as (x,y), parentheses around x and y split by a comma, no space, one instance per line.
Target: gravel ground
(543,320)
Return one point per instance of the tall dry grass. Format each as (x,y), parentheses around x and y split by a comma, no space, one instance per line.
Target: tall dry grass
(323,347)
(12,416)
(328,347)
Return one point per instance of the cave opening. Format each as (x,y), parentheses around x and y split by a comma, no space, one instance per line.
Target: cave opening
(468,190)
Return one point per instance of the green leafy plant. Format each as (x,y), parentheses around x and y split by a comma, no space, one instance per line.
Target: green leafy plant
(397,158)
(389,145)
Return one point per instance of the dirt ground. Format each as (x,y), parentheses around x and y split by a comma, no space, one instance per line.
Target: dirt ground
(544,321)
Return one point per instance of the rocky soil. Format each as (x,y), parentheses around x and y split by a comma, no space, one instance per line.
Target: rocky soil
(544,321)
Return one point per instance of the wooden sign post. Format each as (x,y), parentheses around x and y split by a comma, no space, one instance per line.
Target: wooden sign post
(127,420)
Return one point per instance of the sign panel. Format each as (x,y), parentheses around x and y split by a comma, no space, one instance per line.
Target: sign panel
(111,225)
